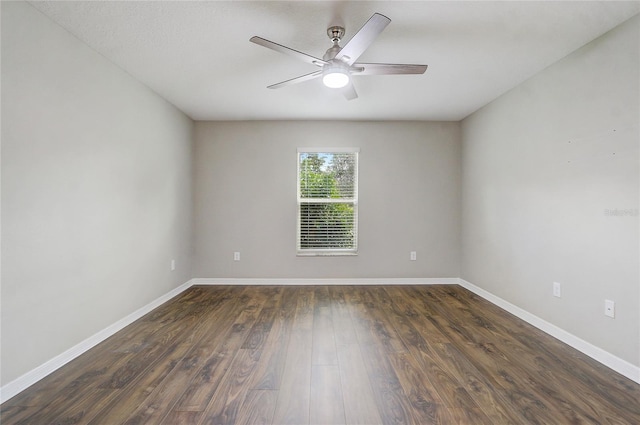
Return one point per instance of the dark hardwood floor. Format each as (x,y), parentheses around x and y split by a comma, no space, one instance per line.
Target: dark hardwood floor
(329,355)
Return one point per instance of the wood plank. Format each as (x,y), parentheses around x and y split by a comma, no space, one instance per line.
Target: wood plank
(204,384)
(16,414)
(425,403)
(259,406)
(377,305)
(546,382)
(363,323)
(343,329)
(430,357)
(182,417)
(230,394)
(359,400)
(132,339)
(326,400)
(156,392)
(389,395)
(390,398)
(85,396)
(324,343)
(305,302)
(268,373)
(343,354)
(520,394)
(292,406)
(261,328)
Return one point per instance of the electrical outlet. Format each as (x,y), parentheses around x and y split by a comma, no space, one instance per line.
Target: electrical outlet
(236,256)
(412,256)
(557,290)
(173,265)
(609,308)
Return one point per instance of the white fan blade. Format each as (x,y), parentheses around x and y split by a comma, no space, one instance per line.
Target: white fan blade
(287,51)
(349,91)
(296,80)
(388,68)
(363,38)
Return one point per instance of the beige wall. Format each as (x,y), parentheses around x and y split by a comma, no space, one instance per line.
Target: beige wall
(245,199)
(544,167)
(96,178)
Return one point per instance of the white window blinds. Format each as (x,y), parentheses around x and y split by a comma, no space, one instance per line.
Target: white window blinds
(327,201)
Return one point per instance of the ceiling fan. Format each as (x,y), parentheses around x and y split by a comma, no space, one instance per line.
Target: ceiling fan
(339,63)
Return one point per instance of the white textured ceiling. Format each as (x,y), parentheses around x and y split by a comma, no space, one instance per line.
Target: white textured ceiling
(197,55)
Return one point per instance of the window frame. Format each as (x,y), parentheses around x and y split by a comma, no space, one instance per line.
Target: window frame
(305,252)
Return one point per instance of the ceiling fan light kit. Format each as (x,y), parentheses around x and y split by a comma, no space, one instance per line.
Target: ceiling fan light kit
(335,76)
(339,63)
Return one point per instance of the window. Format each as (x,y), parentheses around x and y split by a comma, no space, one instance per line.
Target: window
(327,201)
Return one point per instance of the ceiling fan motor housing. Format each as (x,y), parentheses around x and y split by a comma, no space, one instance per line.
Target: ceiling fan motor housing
(335,34)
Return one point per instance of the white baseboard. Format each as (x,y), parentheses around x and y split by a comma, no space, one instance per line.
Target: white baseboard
(619,365)
(14,387)
(339,281)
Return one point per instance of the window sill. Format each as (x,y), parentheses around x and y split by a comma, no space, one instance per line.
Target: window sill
(331,253)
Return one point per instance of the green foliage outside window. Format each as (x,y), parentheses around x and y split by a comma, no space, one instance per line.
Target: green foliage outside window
(327,210)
